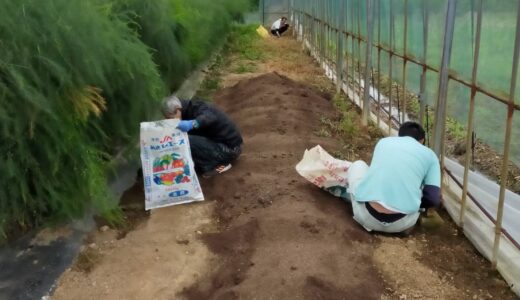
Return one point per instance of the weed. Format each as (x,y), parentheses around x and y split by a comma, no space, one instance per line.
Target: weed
(322,132)
(87,260)
(209,85)
(344,154)
(328,123)
(244,68)
(341,103)
(243,41)
(347,124)
(414,106)
(455,129)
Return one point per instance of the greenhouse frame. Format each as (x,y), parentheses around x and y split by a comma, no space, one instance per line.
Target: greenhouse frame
(337,34)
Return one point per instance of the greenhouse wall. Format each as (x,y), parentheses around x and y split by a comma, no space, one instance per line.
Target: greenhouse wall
(450,65)
(271,10)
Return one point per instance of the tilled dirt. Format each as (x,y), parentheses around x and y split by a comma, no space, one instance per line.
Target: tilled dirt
(280,237)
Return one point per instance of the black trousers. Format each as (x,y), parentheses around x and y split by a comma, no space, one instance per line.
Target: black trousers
(208,155)
(281,30)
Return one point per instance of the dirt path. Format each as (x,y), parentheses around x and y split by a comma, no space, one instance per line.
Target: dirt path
(266,233)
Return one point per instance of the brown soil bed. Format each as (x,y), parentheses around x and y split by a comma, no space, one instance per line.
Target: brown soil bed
(277,231)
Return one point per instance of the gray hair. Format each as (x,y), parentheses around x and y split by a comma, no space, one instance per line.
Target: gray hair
(170,105)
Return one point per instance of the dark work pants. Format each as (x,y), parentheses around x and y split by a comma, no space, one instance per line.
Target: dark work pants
(208,155)
(281,30)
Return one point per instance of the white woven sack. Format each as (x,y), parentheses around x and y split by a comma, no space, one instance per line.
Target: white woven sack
(325,171)
(168,169)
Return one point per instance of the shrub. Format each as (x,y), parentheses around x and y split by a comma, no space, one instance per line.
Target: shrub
(76,78)
(73,83)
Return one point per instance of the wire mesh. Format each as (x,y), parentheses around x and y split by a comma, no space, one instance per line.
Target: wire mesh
(449,64)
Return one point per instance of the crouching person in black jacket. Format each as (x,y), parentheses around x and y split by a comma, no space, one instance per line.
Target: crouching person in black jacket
(215,141)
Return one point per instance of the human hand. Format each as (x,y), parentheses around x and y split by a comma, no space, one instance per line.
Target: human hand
(185,125)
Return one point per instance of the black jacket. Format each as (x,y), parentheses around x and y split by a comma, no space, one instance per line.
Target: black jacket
(213,123)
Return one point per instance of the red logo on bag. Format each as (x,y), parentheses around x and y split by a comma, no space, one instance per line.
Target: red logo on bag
(166,139)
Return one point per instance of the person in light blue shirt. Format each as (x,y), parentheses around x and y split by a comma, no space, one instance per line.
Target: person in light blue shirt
(404,177)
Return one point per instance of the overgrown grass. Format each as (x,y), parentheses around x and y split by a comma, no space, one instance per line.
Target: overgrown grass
(241,44)
(455,129)
(76,78)
(243,41)
(213,78)
(207,24)
(244,68)
(69,89)
(348,124)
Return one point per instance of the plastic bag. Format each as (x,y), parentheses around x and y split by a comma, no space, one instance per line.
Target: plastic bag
(168,169)
(262,31)
(325,171)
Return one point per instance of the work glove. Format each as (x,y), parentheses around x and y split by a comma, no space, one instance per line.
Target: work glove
(186,125)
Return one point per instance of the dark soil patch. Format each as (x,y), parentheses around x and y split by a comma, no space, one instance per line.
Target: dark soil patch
(276,229)
(319,289)
(237,246)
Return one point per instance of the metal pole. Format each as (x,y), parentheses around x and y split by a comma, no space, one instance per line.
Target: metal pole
(353,47)
(313,26)
(321,19)
(328,24)
(339,54)
(422,93)
(293,18)
(404,60)
(471,113)
(398,100)
(368,64)
(378,13)
(440,109)
(301,17)
(332,27)
(300,25)
(346,41)
(318,27)
(359,45)
(262,3)
(390,66)
(507,143)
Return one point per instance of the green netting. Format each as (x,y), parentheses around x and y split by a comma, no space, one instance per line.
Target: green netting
(496,49)
(405,26)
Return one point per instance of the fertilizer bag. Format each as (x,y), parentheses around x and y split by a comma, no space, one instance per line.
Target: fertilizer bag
(325,171)
(168,171)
